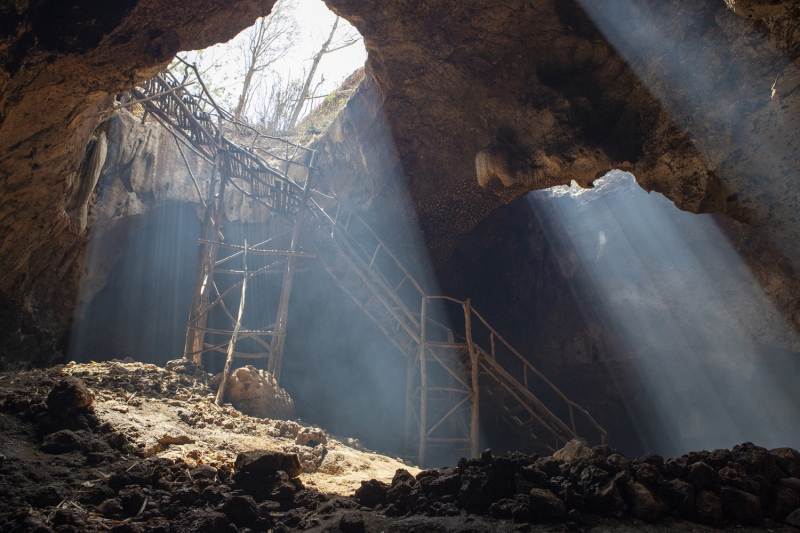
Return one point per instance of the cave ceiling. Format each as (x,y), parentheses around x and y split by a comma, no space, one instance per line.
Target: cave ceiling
(537,83)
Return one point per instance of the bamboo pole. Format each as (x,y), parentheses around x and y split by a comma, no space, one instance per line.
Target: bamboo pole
(473,358)
(232,345)
(423,434)
(409,383)
(211,258)
(276,349)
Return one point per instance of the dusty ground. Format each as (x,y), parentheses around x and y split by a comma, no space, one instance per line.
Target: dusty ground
(157,410)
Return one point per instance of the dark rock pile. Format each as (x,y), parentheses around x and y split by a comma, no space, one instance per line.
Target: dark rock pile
(748,485)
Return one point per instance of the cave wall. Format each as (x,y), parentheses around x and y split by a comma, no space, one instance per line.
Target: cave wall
(579,99)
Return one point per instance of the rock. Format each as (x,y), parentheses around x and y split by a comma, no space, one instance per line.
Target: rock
(646,474)
(174,435)
(787,460)
(352,522)
(702,476)
(132,498)
(203,472)
(372,493)
(719,458)
(790,483)
(241,510)
(48,496)
(708,508)
(265,464)
(785,501)
(69,395)
(63,441)
(741,506)
(574,450)
(618,462)
(111,508)
(255,393)
(182,366)
(606,499)
(311,437)
(642,503)
(549,465)
(794,519)
(680,495)
(546,506)
(757,461)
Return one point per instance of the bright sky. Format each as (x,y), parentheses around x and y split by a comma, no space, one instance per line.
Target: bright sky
(315,21)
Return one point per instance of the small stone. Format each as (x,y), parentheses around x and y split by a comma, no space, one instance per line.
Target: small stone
(111,508)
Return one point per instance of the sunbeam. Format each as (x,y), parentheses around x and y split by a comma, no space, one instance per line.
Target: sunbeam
(688,312)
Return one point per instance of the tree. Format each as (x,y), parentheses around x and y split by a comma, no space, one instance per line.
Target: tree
(304,94)
(269,40)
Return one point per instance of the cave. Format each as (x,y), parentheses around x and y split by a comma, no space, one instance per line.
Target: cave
(539,270)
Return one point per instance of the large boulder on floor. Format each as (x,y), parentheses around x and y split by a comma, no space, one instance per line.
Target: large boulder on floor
(254,392)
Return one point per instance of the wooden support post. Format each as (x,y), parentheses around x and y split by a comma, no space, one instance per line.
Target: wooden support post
(195,339)
(410,360)
(473,358)
(572,419)
(278,341)
(491,338)
(423,432)
(232,345)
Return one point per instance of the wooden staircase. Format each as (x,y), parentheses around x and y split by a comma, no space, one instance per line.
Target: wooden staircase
(449,374)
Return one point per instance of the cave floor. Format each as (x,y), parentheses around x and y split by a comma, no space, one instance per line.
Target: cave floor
(153,453)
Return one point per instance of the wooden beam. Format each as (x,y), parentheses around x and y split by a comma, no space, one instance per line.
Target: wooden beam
(229,360)
(473,357)
(423,433)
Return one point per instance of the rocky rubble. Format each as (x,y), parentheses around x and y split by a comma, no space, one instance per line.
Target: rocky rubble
(66,465)
(748,485)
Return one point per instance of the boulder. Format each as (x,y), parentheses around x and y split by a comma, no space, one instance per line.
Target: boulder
(69,395)
(546,506)
(708,508)
(241,510)
(351,522)
(574,450)
(265,464)
(256,393)
(741,506)
(785,501)
(757,461)
(372,493)
(679,495)
(787,460)
(642,503)
(794,519)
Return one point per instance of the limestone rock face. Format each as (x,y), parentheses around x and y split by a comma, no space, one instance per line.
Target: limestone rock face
(255,393)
